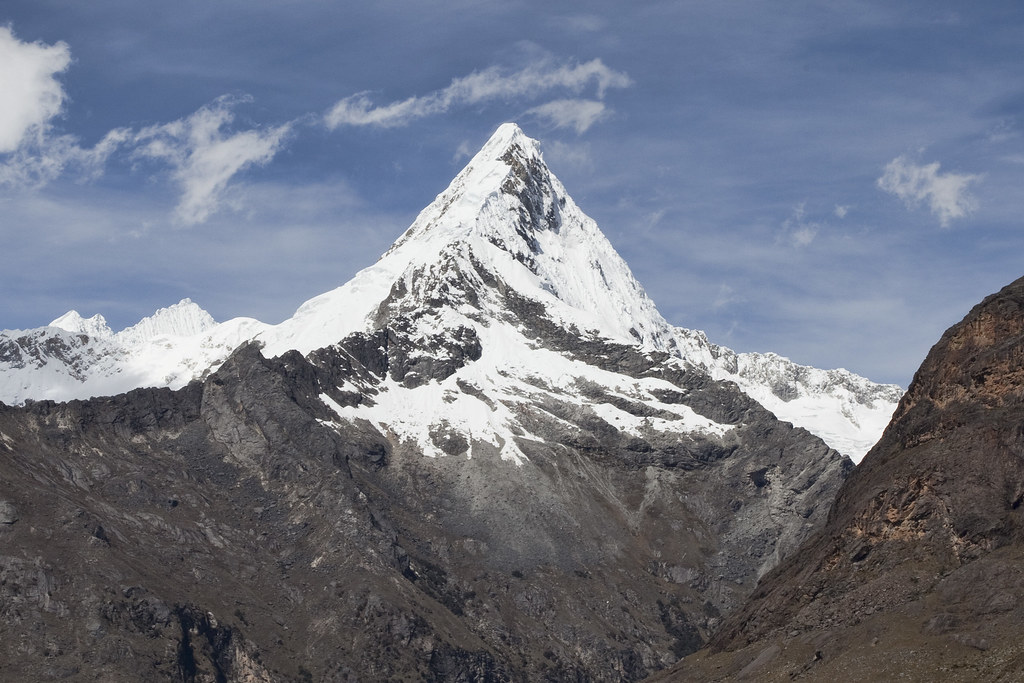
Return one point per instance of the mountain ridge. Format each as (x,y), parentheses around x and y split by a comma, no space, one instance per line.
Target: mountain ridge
(504,213)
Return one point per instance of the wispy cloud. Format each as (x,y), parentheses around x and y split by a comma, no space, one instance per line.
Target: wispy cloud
(726,296)
(946,194)
(481,86)
(576,155)
(202,155)
(38,161)
(205,152)
(578,114)
(205,157)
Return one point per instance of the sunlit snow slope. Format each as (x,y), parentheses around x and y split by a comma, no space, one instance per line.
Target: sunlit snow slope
(503,258)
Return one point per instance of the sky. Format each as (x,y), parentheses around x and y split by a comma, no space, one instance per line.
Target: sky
(837,182)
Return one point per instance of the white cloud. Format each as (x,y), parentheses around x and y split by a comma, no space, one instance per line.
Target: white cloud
(38,162)
(204,157)
(804,235)
(841,210)
(797,230)
(578,114)
(490,84)
(946,194)
(32,95)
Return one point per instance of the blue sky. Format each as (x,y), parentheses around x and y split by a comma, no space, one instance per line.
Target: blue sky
(837,182)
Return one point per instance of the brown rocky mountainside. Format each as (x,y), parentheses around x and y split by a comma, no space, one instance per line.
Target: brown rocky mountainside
(918,574)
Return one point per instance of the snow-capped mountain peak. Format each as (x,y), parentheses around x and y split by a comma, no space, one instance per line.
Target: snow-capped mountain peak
(502,293)
(183,319)
(505,217)
(96,326)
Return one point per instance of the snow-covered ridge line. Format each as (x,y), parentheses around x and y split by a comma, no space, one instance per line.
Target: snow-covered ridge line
(847,411)
(76,357)
(183,319)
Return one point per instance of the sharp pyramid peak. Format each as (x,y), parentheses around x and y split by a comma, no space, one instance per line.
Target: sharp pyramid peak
(508,137)
(507,213)
(504,218)
(507,157)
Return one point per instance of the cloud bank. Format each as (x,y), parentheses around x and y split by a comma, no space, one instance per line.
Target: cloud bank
(946,194)
(491,84)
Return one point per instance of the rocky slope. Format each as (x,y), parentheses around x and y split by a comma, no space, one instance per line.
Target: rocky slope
(918,572)
(237,530)
(487,460)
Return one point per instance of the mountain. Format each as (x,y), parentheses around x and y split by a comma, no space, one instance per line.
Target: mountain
(917,573)
(530,236)
(846,410)
(484,458)
(76,357)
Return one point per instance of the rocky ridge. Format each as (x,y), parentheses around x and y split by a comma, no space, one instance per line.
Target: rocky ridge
(238,529)
(917,574)
(846,410)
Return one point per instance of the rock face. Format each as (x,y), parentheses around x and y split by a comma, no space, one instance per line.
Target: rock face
(918,572)
(486,460)
(235,530)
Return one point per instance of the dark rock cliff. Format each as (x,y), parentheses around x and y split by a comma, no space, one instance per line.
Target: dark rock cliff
(236,530)
(919,571)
